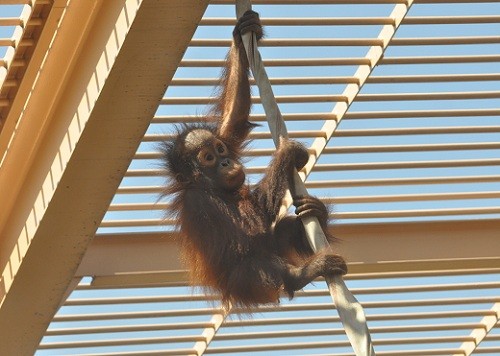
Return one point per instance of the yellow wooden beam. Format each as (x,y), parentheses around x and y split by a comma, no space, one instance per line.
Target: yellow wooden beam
(97,89)
(152,258)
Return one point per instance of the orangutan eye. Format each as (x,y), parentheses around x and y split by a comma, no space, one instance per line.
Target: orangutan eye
(209,157)
(221,147)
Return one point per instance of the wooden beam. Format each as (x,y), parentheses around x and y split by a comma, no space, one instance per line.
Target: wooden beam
(420,246)
(95,110)
(152,258)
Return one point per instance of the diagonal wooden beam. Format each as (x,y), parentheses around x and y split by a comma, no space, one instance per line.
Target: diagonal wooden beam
(98,88)
(209,333)
(479,334)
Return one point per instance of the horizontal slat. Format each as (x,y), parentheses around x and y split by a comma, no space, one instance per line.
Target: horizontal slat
(292,42)
(175,119)
(348,2)
(137,223)
(452,1)
(460,20)
(413,197)
(344,200)
(18,2)
(421,114)
(311,62)
(140,190)
(138,300)
(435,41)
(352,183)
(433,78)
(357,291)
(410,289)
(127,328)
(406,352)
(350,21)
(281,99)
(7,42)
(440,59)
(413,148)
(253,135)
(274,81)
(162,352)
(142,173)
(119,342)
(290,62)
(364,149)
(418,131)
(404,165)
(348,42)
(415,213)
(338,215)
(10,83)
(254,335)
(346,80)
(10,21)
(403,181)
(136,315)
(311,2)
(487,350)
(339,331)
(309,333)
(363,132)
(429,96)
(328,344)
(371,317)
(291,134)
(303,21)
(430,273)
(14,63)
(353,166)
(138,206)
(26,42)
(383,304)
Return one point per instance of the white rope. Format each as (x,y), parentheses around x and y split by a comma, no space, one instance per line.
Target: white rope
(350,310)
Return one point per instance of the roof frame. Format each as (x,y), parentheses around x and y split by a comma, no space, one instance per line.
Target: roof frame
(77,170)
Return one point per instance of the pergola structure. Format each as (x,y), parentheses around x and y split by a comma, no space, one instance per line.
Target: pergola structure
(397,100)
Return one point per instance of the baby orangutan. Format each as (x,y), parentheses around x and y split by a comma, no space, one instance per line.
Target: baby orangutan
(228,238)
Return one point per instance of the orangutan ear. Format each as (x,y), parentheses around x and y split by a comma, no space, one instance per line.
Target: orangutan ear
(181,178)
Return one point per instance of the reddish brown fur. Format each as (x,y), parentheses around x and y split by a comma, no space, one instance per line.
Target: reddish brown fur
(228,239)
